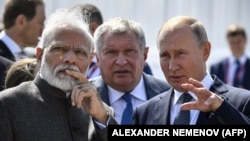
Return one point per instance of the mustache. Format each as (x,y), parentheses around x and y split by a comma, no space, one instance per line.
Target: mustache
(66,67)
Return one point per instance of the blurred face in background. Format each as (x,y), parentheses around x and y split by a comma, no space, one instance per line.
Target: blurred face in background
(121,60)
(32,29)
(237,45)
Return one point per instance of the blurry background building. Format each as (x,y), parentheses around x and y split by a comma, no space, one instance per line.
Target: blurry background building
(216,15)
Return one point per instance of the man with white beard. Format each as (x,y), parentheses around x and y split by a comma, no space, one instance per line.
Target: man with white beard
(59,104)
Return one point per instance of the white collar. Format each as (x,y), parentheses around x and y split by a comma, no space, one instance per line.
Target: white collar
(242,59)
(206,82)
(12,45)
(138,92)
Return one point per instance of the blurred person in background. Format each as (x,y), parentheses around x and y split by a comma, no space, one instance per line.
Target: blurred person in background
(20,71)
(23,22)
(4,66)
(234,69)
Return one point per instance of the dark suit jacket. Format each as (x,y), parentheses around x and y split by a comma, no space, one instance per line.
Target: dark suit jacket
(220,70)
(4,66)
(235,109)
(36,111)
(153,87)
(5,51)
(6,60)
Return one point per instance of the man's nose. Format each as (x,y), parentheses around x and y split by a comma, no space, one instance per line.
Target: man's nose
(173,65)
(121,59)
(70,57)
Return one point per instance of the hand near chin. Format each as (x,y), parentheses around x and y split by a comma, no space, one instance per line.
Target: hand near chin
(85,96)
(207,101)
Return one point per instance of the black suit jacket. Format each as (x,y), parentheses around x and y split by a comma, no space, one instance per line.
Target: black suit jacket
(153,86)
(235,109)
(4,66)
(5,51)
(220,70)
(36,111)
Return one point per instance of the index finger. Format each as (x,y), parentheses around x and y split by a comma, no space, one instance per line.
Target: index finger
(195,83)
(77,75)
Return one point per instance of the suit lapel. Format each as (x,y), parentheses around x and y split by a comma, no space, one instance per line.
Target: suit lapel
(164,104)
(218,86)
(102,89)
(152,89)
(5,52)
(220,89)
(246,80)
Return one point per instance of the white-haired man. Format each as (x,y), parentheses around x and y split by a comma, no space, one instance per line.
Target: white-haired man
(60,104)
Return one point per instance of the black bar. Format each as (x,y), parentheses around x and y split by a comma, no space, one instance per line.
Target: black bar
(163,132)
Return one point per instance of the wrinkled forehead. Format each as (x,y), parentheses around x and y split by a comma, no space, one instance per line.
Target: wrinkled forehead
(173,32)
(69,35)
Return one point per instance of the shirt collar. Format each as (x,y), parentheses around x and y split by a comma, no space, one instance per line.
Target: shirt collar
(138,92)
(242,59)
(12,45)
(206,82)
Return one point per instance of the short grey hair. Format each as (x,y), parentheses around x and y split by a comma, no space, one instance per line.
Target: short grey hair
(65,18)
(199,32)
(118,25)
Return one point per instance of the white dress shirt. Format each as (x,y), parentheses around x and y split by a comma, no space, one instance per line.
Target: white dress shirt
(11,44)
(118,104)
(175,107)
(231,68)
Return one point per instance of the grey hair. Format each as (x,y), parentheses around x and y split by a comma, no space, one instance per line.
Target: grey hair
(199,32)
(116,26)
(68,19)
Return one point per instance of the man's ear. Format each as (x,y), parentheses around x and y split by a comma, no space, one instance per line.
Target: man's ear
(206,50)
(92,27)
(21,21)
(146,53)
(39,54)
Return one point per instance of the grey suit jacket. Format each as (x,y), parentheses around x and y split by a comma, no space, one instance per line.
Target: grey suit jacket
(234,110)
(36,111)
(154,86)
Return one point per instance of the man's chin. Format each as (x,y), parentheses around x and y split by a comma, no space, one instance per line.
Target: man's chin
(65,83)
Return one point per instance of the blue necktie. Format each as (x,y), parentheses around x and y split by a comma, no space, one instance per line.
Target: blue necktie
(236,82)
(183,118)
(128,111)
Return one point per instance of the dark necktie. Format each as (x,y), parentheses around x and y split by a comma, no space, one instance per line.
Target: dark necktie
(128,111)
(236,81)
(183,117)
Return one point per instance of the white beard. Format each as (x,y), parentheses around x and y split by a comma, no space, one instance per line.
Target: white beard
(61,81)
